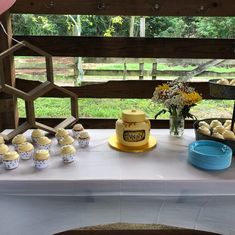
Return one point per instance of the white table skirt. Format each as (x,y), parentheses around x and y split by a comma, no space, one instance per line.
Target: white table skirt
(107,186)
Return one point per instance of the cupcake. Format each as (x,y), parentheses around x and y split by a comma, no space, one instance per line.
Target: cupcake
(41,158)
(26,151)
(68,140)
(2,140)
(17,140)
(3,150)
(36,134)
(83,139)
(11,160)
(44,143)
(60,134)
(77,129)
(68,153)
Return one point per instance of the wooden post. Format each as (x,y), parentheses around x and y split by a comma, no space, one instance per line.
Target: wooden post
(154,71)
(8,105)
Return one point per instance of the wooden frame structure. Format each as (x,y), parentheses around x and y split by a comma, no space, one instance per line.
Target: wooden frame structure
(125,47)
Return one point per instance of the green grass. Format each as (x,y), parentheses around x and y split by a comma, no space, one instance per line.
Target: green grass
(111,108)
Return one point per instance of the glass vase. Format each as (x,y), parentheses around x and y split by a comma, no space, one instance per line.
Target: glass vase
(176,125)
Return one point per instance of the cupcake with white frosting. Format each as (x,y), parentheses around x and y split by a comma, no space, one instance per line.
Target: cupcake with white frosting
(17,140)
(44,143)
(11,160)
(41,158)
(68,153)
(2,141)
(36,134)
(60,134)
(68,140)
(3,150)
(76,130)
(26,151)
(83,139)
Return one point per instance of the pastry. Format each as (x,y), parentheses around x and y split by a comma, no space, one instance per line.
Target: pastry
(223,82)
(232,82)
(204,130)
(41,158)
(68,153)
(219,129)
(60,134)
(26,151)
(77,129)
(68,140)
(44,143)
(3,150)
(215,123)
(227,123)
(203,123)
(11,160)
(17,140)
(217,135)
(83,139)
(229,135)
(36,134)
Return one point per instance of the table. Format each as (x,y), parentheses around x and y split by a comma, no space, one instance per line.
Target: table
(106,186)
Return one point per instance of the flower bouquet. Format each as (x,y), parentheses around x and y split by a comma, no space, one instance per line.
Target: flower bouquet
(177,97)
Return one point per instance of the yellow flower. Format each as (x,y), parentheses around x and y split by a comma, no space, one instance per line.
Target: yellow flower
(191,98)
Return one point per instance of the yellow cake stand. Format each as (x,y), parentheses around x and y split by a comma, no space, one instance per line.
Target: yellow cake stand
(113,142)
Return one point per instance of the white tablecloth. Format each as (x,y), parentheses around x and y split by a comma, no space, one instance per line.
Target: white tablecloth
(107,186)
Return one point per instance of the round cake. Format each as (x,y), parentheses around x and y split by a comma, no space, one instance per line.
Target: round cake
(133,129)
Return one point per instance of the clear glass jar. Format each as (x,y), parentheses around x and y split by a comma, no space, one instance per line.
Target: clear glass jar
(176,125)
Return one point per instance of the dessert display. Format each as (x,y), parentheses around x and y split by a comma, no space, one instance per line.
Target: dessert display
(83,139)
(44,143)
(2,140)
(68,153)
(133,129)
(41,158)
(3,150)
(36,134)
(68,140)
(17,140)
(26,151)
(11,160)
(60,134)
(76,130)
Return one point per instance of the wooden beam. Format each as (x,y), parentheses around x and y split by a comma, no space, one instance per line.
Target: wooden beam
(8,119)
(136,8)
(131,47)
(113,89)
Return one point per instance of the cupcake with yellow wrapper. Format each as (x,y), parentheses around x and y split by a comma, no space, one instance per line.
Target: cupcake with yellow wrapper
(60,134)
(83,139)
(2,141)
(3,150)
(68,153)
(68,140)
(17,140)
(44,143)
(77,129)
(41,158)
(11,160)
(26,151)
(36,134)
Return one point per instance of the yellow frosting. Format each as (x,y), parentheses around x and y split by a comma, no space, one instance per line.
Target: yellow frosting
(3,149)
(37,133)
(78,127)
(41,155)
(11,155)
(25,147)
(2,140)
(68,149)
(44,141)
(61,133)
(84,135)
(67,140)
(19,139)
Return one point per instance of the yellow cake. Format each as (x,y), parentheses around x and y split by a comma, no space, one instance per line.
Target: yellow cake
(133,129)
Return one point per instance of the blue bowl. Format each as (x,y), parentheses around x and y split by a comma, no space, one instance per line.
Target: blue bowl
(210,155)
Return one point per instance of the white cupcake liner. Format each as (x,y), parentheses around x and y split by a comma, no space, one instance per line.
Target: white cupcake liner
(26,155)
(10,164)
(44,147)
(76,134)
(40,164)
(67,158)
(83,142)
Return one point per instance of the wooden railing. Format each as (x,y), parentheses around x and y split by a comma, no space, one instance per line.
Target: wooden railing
(120,47)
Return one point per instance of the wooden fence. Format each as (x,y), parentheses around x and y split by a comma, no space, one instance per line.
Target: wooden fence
(115,47)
